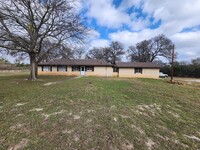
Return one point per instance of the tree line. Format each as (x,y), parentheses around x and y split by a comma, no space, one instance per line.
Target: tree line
(144,51)
(184,69)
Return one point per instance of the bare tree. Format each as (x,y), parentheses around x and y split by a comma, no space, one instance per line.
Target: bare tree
(144,51)
(99,53)
(132,54)
(48,52)
(96,53)
(116,50)
(27,24)
(149,50)
(160,46)
(110,54)
(66,52)
(79,52)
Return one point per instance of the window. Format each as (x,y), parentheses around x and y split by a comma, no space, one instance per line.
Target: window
(61,68)
(47,68)
(75,68)
(138,70)
(115,69)
(89,68)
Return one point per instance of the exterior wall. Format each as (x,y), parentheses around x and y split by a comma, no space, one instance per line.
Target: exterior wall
(115,74)
(98,71)
(146,73)
(104,71)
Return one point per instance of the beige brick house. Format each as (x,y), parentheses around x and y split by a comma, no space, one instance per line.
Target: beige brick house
(97,67)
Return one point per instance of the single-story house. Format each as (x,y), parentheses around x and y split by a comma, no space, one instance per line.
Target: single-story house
(98,67)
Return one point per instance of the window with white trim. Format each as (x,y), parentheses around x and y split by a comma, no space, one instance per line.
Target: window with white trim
(75,68)
(89,68)
(62,68)
(46,68)
(138,70)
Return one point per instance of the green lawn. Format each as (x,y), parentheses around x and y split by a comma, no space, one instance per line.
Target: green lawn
(97,113)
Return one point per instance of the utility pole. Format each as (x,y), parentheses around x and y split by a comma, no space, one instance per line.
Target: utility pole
(172,65)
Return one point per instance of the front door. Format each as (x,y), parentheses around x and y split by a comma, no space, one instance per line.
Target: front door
(82,70)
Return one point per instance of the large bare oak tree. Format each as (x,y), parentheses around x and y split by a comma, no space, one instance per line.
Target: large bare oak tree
(149,50)
(26,26)
(110,54)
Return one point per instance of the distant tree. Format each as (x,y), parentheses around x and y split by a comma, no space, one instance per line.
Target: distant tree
(183,69)
(110,54)
(79,52)
(26,24)
(66,52)
(160,62)
(4,60)
(107,54)
(196,61)
(140,53)
(96,53)
(132,53)
(149,50)
(160,46)
(182,63)
(116,50)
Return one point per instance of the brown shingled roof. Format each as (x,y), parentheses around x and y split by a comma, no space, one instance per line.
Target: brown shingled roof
(137,64)
(99,62)
(77,62)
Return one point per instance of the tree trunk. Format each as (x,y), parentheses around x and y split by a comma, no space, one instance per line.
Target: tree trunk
(36,69)
(33,66)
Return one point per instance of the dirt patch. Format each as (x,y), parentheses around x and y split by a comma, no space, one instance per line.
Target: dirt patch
(115,119)
(52,114)
(138,129)
(19,115)
(53,83)
(124,116)
(50,83)
(21,145)
(174,114)
(20,104)
(192,137)
(67,131)
(177,142)
(76,117)
(89,111)
(77,77)
(76,137)
(127,146)
(188,81)
(162,137)
(16,127)
(147,110)
(113,107)
(36,109)
(150,144)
